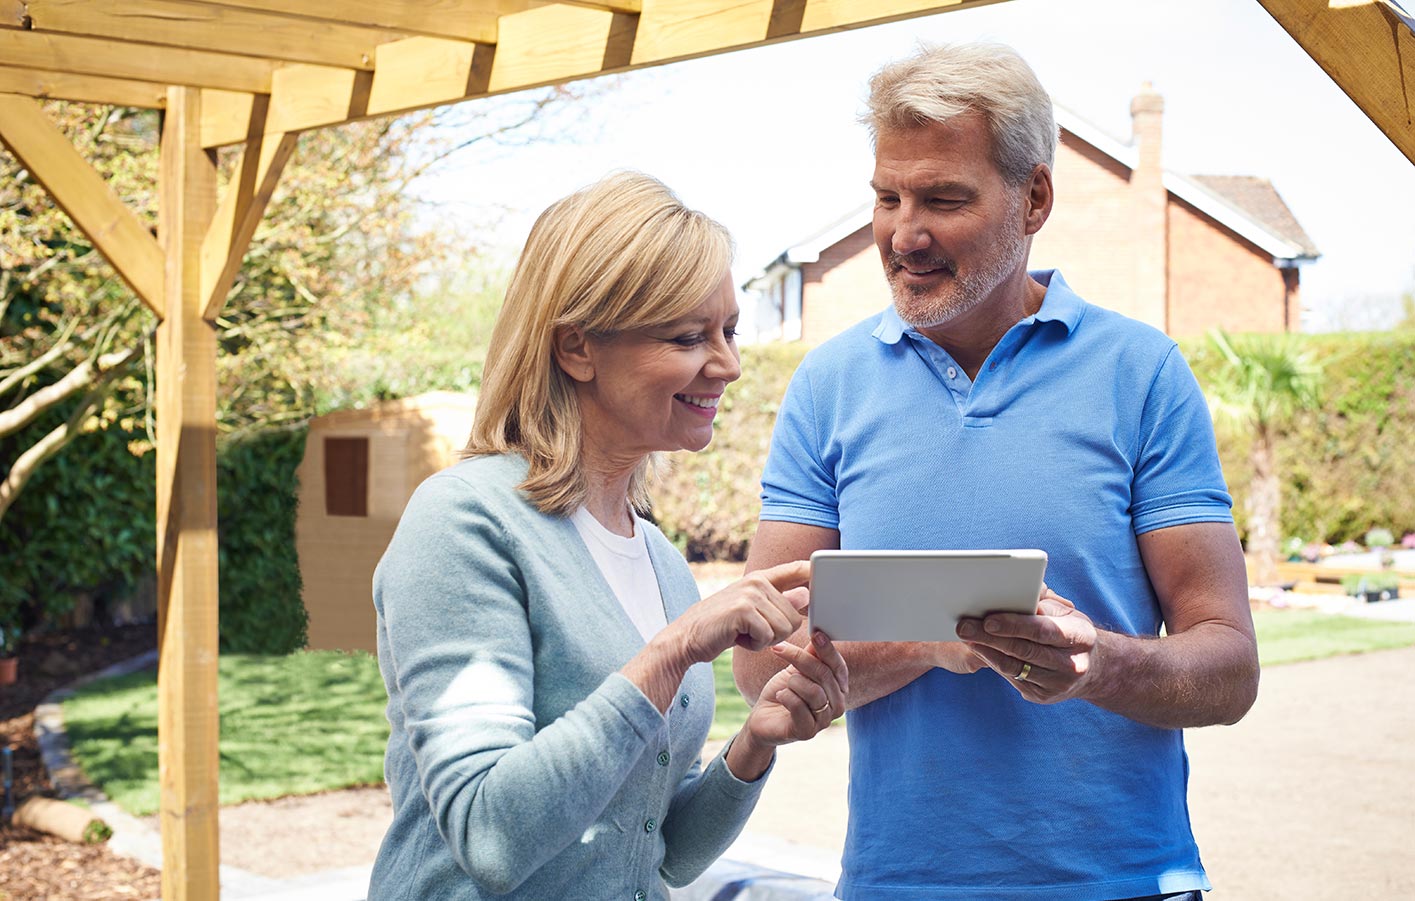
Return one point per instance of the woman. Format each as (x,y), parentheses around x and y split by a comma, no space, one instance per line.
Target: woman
(547,660)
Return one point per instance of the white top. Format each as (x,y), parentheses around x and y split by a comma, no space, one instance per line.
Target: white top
(627,568)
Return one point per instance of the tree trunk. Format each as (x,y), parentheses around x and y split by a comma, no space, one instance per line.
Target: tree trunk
(1263,508)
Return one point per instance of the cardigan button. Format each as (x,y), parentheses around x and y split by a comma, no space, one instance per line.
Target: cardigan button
(663,758)
(641,895)
(683,701)
(650,824)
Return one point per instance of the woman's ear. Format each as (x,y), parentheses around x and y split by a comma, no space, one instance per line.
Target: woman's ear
(572,352)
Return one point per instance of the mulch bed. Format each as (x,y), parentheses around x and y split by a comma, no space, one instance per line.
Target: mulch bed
(38,866)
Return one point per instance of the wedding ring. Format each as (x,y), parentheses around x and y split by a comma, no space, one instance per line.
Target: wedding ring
(821,709)
(1026,671)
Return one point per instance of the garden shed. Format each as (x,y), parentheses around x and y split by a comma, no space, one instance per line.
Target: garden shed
(359,469)
(257,73)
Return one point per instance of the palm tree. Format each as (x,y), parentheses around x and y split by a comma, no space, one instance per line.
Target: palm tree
(1263,382)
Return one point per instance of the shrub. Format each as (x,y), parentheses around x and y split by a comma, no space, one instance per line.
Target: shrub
(1347,465)
(1344,466)
(1359,583)
(1379,538)
(86,525)
(261,608)
(708,502)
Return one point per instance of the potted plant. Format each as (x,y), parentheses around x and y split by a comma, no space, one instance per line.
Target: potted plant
(1372,587)
(1379,539)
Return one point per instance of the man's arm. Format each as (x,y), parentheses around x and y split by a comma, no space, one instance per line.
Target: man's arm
(1204,671)
(876,668)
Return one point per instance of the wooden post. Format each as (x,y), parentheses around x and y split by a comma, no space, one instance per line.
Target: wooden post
(186,515)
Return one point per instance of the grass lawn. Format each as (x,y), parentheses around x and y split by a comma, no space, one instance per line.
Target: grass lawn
(291,725)
(1287,636)
(314,721)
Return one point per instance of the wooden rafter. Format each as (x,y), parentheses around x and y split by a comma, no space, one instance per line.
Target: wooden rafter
(469,20)
(197,26)
(1368,49)
(82,88)
(241,210)
(547,45)
(117,59)
(82,193)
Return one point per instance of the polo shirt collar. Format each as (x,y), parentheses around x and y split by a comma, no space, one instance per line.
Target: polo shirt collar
(1060,304)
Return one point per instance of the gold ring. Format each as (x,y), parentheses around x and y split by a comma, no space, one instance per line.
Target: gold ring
(1026,671)
(821,709)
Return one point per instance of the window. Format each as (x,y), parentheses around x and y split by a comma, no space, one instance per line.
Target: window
(346,476)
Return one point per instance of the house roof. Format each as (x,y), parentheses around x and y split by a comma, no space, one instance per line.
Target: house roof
(1248,205)
(1260,199)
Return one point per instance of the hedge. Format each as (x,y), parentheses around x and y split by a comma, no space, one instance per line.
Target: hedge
(85,528)
(1346,467)
(85,524)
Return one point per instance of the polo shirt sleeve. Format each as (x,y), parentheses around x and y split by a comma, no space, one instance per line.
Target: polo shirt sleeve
(797,486)
(1177,477)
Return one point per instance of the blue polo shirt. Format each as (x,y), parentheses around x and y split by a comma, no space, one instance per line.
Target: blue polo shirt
(1082,430)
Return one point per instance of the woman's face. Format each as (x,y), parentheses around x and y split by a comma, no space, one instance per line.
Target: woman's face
(657,388)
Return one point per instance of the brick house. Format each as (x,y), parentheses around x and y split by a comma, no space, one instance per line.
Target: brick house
(1183,253)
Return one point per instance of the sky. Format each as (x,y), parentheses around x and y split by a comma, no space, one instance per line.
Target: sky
(767,140)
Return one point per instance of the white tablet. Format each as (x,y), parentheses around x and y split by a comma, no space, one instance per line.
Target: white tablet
(918,595)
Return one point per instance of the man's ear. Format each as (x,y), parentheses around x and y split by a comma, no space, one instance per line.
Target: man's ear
(1038,200)
(572,352)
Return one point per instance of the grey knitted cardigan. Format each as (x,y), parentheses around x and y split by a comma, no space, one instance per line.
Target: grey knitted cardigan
(520,763)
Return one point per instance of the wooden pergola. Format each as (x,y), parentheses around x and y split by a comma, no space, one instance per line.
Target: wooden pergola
(257,73)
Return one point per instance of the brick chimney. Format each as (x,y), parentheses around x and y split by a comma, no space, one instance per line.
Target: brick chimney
(1149,205)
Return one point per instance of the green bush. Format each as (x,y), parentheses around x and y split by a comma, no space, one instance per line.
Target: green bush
(707,503)
(86,525)
(256,488)
(1358,583)
(1345,467)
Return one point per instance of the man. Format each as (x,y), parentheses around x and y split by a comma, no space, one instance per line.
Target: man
(1042,757)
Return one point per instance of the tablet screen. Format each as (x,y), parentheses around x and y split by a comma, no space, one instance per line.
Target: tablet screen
(918,595)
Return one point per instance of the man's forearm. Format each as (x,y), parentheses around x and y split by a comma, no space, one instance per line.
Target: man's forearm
(876,668)
(1204,676)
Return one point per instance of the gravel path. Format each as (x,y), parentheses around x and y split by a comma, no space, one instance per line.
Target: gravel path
(1311,796)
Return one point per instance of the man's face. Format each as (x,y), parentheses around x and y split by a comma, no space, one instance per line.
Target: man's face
(950,229)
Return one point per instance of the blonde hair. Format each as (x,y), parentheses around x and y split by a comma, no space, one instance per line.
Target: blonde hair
(623,253)
(940,82)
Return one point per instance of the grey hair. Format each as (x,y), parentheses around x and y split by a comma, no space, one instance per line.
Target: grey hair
(940,82)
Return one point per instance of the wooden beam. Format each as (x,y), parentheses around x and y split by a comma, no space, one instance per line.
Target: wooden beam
(554,44)
(558,43)
(82,88)
(187,724)
(1368,49)
(241,210)
(200,27)
(82,193)
(467,20)
(136,62)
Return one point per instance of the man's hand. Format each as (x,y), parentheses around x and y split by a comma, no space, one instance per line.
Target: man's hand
(1048,657)
(954,656)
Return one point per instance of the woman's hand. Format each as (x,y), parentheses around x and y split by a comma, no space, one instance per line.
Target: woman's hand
(795,704)
(755,612)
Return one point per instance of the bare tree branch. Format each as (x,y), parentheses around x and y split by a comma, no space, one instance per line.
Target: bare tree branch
(88,373)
